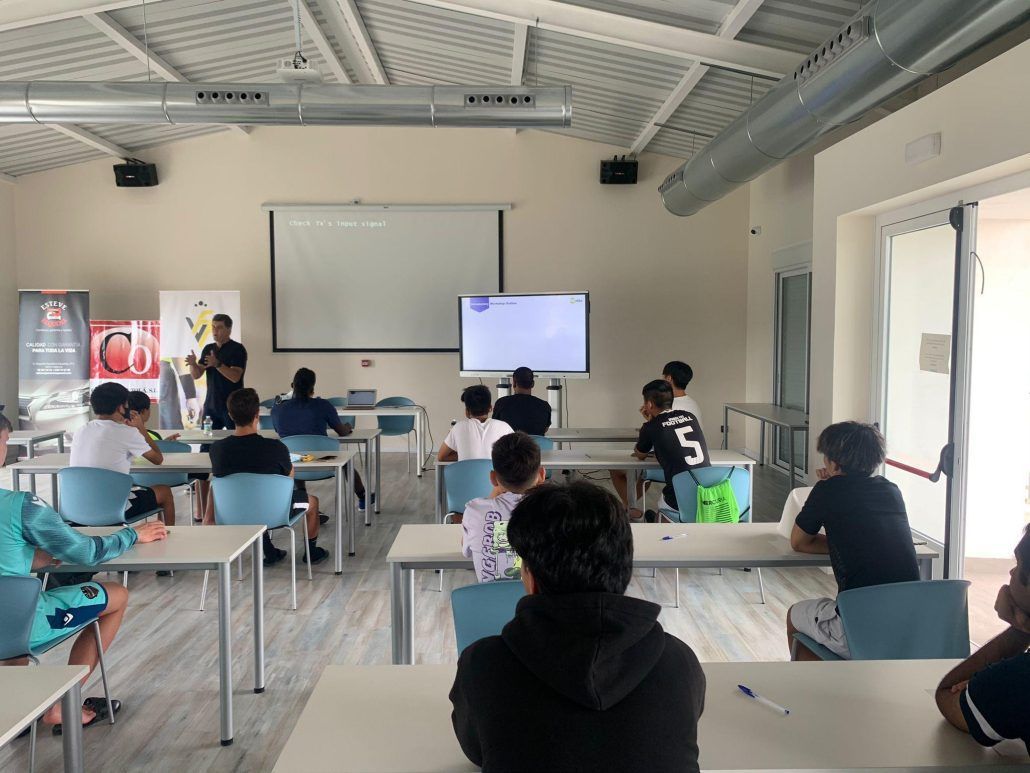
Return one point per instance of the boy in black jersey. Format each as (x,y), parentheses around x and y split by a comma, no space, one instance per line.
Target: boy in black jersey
(673,435)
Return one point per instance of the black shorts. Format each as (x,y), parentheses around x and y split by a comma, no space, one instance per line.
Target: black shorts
(300,499)
(141,500)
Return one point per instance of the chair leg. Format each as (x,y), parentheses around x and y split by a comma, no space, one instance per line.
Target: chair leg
(793,649)
(239,568)
(125,579)
(293,567)
(307,545)
(46,579)
(103,671)
(203,590)
(677,587)
(32,746)
(407,442)
(761,585)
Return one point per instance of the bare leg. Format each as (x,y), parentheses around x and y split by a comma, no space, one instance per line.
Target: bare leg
(84,651)
(619,482)
(312,516)
(798,650)
(166,501)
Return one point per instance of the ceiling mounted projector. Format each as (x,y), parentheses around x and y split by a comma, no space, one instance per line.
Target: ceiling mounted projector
(285,104)
(292,71)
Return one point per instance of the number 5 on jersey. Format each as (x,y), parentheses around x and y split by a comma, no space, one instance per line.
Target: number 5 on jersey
(697,454)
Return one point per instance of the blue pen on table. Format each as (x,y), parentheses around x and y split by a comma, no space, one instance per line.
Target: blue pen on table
(668,537)
(764,701)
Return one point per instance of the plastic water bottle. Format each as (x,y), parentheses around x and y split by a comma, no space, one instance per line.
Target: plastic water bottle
(208,425)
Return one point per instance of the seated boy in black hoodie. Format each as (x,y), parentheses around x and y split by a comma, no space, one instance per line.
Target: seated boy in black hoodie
(583,678)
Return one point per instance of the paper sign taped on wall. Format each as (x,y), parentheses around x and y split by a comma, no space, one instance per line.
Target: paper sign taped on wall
(935,353)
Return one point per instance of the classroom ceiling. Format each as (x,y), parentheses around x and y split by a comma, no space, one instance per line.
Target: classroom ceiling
(627,91)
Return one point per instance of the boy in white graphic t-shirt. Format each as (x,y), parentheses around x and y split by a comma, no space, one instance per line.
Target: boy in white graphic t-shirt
(474,436)
(516,459)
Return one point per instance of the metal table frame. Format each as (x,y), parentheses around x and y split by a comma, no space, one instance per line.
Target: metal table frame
(30,439)
(71,705)
(767,413)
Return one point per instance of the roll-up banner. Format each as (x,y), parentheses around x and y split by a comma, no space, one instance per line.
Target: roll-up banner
(126,351)
(53,359)
(186,327)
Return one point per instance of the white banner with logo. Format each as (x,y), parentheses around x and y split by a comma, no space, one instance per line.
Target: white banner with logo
(186,327)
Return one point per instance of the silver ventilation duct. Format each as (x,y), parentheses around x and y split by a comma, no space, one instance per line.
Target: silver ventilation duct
(887,48)
(285,104)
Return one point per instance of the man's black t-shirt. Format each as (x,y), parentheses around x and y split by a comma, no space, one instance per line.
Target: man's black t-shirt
(866,529)
(219,387)
(996,702)
(524,413)
(249,453)
(678,443)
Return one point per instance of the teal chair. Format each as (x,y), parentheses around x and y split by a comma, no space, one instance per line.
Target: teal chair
(484,609)
(91,496)
(265,422)
(318,444)
(545,444)
(19,597)
(269,403)
(341,402)
(395,426)
(250,499)
(464,481)
(919,620)
(170,479)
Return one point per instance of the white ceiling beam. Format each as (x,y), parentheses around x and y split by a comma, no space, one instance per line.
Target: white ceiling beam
(633,33)
(356,26)
(89,138)
(325,48)
(735,21)
(132,46)
(15,14)
(8,178)
(518,54)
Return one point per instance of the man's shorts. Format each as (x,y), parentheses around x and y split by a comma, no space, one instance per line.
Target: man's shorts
(63,611)
(141,500)
(819,620)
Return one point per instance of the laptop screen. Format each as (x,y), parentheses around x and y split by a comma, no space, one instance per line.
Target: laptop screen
(357,398)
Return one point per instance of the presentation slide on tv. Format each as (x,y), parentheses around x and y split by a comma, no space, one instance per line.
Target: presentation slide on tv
(547,333)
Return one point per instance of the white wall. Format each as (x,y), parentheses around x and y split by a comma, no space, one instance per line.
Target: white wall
(662,287)
(8,306)
(983,118)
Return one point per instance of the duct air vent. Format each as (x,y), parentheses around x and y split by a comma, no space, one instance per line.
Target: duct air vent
(231,97)
(840,44)
(499,100)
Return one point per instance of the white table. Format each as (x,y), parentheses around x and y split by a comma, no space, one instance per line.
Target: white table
(28,691)
(30,438)
(370,438)
(199,548)
(788,418)
(593,434)
(600,459)
(709,545)
(852,716)
(340,463)
(415,411)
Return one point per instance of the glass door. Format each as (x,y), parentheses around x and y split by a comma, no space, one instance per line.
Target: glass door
(793,337)
(924,370)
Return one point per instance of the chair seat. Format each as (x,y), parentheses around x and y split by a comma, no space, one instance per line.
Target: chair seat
(815,648)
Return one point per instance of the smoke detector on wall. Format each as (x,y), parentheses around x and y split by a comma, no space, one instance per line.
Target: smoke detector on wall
(296,71)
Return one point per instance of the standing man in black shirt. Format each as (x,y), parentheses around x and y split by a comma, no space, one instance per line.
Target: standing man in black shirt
(867,533)
(673,435)
(521,410)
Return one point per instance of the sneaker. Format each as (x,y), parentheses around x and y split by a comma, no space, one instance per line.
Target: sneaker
(318,555)
(323,518)
(275,557)
(361,503)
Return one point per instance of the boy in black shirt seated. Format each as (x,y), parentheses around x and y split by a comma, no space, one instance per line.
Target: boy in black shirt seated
(247,451)
(675,438)
(988,694)
(521,410)
(867,532)
(583,678)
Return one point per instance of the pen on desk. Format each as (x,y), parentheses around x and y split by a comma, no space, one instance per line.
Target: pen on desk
(764,701)
(668,537)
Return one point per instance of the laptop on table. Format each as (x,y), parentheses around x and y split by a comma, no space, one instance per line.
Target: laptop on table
(361,398)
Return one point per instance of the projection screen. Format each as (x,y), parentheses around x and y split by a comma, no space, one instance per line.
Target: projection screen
(379,278)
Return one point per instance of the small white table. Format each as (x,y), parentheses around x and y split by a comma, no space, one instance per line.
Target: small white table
(28,691)
(370,438)
(849,716)
(600,459)
(30,438)
(199,548)
(708,545)
(340,463)
(415,411)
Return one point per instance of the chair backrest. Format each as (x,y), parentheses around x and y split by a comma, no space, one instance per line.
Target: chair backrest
(299,444)
(248,498)
(395,425)
(686,489)
(341,402)
(920,620)
(18,599)
(464,481)
(91,496)
(265,422)
(165,478)
(483,610)
(545,443)
(269,403)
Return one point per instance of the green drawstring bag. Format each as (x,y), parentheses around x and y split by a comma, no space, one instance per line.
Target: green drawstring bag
(718,503)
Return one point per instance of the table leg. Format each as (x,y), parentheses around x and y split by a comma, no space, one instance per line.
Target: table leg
(352,506)
(419,443)
(71,706)
(258,570)
(408,615)
(379,472)
(396,614)
(338,480)
(925,568)
(761,443)
(368,483)
(60,443)
(725,428)
(790,433)
(30,447)
(15,480)
(441,506)
(225,651)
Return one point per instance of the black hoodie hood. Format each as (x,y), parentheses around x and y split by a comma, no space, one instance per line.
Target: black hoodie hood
(593,648)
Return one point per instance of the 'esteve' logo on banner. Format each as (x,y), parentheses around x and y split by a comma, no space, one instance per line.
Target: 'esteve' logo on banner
(53,314)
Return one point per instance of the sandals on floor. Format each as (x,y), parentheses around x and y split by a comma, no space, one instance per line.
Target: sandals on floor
(99,708)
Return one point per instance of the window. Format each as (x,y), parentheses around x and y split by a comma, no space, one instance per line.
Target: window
(793,338)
